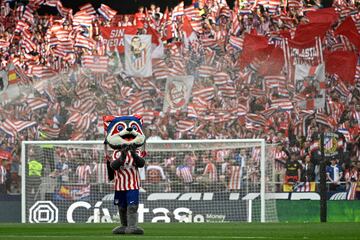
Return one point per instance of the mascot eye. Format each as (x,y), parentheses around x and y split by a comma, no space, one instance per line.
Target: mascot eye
(134,127)
(120,128)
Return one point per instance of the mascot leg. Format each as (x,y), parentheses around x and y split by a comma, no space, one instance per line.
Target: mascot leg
(132,219)
(123,221)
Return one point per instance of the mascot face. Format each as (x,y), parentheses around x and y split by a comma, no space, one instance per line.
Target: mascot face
(123,131)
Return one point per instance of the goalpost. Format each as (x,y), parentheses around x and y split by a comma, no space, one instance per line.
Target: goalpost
(183,181)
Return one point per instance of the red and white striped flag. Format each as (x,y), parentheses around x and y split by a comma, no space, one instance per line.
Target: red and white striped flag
(221,78)
(28,15)
(77,136)
(282,103)
(191,111)
(88,8)
(96,63)
(195,20)
(83,18)
(184,125)
(237,42)
(80,121)
(136,106)
(84,42)
(148,116)
(255,119)
(51,3)
(37,103)
(13,127)
(209,42)
(64,12)
(41,71)
(84,105)
(21,26)
(178,10)
(106,12)
(48,133)
(205,93)
(227,90)
(206,71)
(295,3)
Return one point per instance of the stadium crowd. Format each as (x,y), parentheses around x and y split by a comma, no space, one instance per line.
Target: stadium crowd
(240,90)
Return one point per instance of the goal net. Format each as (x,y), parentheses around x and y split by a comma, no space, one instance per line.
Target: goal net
(183,181)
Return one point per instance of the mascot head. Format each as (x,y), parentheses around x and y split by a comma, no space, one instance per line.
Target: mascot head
(123,131)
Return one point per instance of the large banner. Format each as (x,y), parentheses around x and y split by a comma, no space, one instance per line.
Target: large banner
(162,207)
(305,47)
(138,55)
(114,36)
(177,92)
(310,84)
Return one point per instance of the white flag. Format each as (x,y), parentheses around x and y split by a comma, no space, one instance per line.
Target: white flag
(3,80)
(138,55)
(177,92)
(310,83)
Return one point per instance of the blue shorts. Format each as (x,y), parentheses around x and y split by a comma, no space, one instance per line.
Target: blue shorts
(125,198)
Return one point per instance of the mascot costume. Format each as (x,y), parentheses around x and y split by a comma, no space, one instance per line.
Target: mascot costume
(125,136)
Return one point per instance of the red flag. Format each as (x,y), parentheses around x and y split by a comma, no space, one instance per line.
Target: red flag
(335,62)
(348,29)
(155,35)
(305,34)
(165,17)
(323,15)
(114,36)
(187,27)
(274,64)
(255,46)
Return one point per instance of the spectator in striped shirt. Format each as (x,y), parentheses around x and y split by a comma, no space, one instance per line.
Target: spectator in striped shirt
(184,174)
(209,177)
(83,171)
(234,176)
(280,160)
(210,171)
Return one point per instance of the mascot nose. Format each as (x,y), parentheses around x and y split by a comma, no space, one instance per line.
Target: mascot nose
(129,129)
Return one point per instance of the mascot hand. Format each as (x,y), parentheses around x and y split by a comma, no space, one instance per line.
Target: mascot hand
(117,163)
(139,161)
(133,147)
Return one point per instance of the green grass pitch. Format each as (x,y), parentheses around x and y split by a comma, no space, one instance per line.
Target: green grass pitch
(309,231)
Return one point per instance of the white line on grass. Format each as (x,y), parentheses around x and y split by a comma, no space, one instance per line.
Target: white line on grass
(155,237)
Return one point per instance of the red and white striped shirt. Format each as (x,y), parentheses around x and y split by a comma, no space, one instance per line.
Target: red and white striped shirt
(100,172)
(234,178)
(210,170)
(184,172)
(83,172)
(127,177)
(280,160)
(2,174)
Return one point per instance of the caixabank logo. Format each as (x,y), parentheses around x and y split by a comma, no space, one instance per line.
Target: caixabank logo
(43,212)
